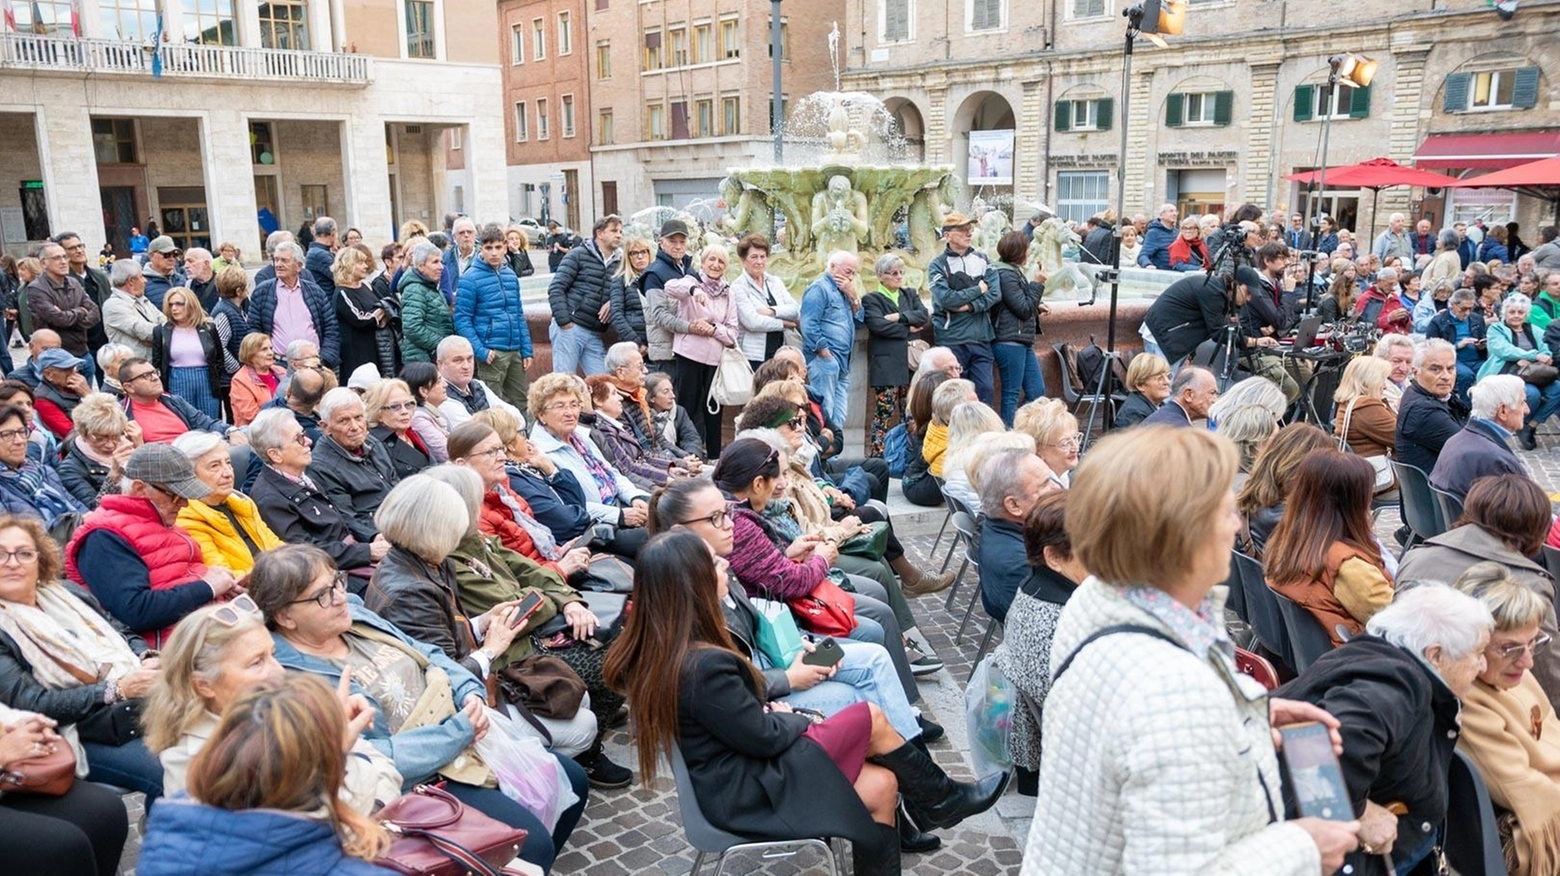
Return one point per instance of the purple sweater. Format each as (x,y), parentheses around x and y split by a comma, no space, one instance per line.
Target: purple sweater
(759,563)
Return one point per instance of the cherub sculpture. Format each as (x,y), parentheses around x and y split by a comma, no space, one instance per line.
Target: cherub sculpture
(839,217)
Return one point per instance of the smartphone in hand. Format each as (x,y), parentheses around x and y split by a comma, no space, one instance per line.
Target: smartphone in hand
(1314,773)
(826,652)
(525,609)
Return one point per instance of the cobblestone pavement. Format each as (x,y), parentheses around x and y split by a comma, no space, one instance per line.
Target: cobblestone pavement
(638,830)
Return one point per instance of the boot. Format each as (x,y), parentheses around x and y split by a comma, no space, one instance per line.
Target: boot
(880,857)
(935,800)
(1527,436)
(911,839)
(915,582)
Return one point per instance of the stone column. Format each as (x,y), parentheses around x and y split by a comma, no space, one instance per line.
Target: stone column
(249,25)
(69,168)
(1028,144)
(1140,191)
(939,140)
(230,184)
(1257,180)
(366,174)
(1408,86)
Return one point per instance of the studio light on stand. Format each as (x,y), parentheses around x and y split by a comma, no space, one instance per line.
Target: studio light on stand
(1357,71)
(1152,19)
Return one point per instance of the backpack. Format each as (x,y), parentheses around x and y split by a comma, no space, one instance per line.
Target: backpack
(896,450)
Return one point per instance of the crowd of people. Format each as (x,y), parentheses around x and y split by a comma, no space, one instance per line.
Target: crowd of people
(277,550)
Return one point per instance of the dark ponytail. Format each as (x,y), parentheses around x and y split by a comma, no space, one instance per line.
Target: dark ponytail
(673,503)
(742,461)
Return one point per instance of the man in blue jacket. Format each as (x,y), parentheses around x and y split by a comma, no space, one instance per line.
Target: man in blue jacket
(579,296)
(322,255)
(831,310)
(1157,240)
(489,314)
(963,290)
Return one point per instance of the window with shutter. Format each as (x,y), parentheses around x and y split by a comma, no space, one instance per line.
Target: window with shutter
(1456,99)
(652,59)
(1064,115)
(1223,107)
(679,120)
(1087,8)
(1524,92)
(1175,106)
(896,21)
(1359,103)
(1103,109)
(1305,98)
(985,14)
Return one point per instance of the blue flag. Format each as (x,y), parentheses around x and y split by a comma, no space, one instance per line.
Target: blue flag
(157,43)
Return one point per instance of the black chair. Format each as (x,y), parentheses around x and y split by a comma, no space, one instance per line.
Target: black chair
(1451,507)
(965,537)
(1420,510)
(1308,639)
(1262,611)
(1074,398)
(1472,844)
(1552,562)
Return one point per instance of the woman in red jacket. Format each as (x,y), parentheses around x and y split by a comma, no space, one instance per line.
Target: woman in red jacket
(1188,252)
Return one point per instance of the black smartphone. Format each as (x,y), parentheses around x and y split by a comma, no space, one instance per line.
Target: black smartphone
(826,652)
(1314,773)
(525,609)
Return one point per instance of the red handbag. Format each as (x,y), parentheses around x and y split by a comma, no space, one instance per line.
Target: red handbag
(50,774)
(827,610)
(436,835)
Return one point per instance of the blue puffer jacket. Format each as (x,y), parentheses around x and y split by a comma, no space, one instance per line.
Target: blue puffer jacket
(417,753)
(255,842)
(488,311)
(319,260)
(827,322)
(262,315)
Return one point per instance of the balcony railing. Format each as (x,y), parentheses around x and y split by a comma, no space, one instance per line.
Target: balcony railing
(181,60)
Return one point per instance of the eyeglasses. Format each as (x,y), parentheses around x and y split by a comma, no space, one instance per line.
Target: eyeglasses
(327,597)
(23,557)
(230,613)
(144,375)
(564,406)
(397,407)
(13,434)
(720,519)
(485,454)
(302,438)
(797,422)
(1071,442)
(1516,649)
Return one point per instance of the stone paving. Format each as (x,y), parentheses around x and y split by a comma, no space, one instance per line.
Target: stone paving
(638,830)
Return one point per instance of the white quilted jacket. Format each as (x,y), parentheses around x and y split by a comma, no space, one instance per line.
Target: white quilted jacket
(1156,762)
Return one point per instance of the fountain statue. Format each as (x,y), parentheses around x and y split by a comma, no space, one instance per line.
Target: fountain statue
(1065,280)
(839,218)
(989,229)
(748,209)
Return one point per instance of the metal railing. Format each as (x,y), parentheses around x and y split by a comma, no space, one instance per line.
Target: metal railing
(181,60)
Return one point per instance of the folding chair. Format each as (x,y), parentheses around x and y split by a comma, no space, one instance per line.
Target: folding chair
(1420,510)
(1472,843)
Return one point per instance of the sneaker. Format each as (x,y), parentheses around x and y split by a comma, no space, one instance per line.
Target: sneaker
(921,664)
(603,773)
(927,583)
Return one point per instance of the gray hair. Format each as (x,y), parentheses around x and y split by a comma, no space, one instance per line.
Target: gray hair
(197,252)
(1397,217)
(423,516)
(1461,296)
(98,413)
(467,484)
(296,347)
(450,344)
(618,355)
(422,252)
(886,263)
(1433,614)
(1517,300)
(1257,391)
(1387,274)
(265,431)
(1436,345)
(292,249)
(339,399)
(1001,477)
(276,239)
(459,220)
(1384,346)
(1186,377)
(928,360)
(122,272)
(1489,394)
(324,226)
(194,445)
(840,257)
(1447,239)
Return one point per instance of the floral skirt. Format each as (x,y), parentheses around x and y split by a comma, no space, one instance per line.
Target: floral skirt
(887,411)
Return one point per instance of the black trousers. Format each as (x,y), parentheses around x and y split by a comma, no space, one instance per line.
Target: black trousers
(81,833)
(691,381)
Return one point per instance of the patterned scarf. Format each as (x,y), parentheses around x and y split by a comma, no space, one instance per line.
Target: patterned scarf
(29,482)
(67,643)
(605,483)
(541,536)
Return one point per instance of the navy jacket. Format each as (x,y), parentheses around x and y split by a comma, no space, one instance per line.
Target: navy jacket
(1004,566)
(1169,414)
(262,315)
(319,260)
(557,502)
(1475,452)
(1424,425)
(1156,246)
(628,313)
(1194,309)
(582,283)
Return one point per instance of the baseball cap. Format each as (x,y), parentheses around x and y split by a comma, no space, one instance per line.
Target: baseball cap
(1247,276)
(956,220)
(673,227)
(54,357)
(163,244)
(166,468)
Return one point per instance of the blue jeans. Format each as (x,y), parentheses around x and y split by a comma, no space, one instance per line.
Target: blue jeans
(130,766)
(1542,403)
(1467,376)
(976,361)
(866,674)
(574,347)
(540,848)
(1020,371)
(830,378)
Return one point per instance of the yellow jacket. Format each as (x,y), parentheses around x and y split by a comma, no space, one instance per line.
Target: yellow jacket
(933,446)
(220,544)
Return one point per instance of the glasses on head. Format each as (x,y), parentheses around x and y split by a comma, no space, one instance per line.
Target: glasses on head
(9,435)
(236,610)
(1071,442)
(1516,649)
(22,557)
(571,405)
(398,407)
(327,597)
(720,519)
(144,375)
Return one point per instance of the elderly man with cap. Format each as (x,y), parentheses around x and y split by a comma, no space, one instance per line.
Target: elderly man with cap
(963,290)
(59,391)
(162,268)
(145,571)
(662,320)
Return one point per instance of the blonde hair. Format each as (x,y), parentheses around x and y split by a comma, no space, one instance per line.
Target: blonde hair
(968,422)
(1129,533)
(950,395)
(412,228)
(194,651)
(1364,377)
(252,345)
(1144,367)
(549,385)
(423,516)
(507,425)
(793,391)
(1044,419)
(347,260)
(525,239)
(375,399)
(99,413)
(191,306)
(1513,605)
(988,447)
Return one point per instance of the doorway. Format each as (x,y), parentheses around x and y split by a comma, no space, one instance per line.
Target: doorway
(609,198)
(118,216)
(181,214)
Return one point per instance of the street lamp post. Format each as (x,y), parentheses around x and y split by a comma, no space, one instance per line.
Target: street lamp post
(776,104)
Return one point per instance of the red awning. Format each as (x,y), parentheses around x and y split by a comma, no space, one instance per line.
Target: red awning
(1377,173)
(1485,151)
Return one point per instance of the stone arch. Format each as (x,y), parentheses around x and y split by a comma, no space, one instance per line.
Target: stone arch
(912,126)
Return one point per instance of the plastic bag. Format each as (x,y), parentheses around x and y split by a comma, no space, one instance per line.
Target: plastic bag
(778,637)
(988,714)
(527,772)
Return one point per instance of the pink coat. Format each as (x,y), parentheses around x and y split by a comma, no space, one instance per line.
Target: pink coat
(721,312)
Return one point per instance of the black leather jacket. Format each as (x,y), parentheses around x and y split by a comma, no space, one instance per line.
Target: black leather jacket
(420,599)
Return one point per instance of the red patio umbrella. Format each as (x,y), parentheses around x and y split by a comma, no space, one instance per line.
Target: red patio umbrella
(1536,179)
(1375,174)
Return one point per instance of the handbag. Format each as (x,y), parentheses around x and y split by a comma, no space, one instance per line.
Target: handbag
(607,573)
(733,383)
(611,611)
(778,637)
(50,774)
(544,685)
(436,835)
(827,610)
(870,544)
(1380,464)
(1537,375)
(914,350)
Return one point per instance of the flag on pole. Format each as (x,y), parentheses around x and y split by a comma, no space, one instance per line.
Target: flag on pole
(157,42)
(75,18)
(10,17)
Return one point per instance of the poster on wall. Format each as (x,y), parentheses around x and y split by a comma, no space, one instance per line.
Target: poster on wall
(990,159)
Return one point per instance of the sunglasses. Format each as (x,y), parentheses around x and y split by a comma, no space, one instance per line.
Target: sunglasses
(233,611)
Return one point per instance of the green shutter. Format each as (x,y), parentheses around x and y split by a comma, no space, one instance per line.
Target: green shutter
(1456,100)
(1064,115)
(1223,107)
(1524,93)
(1102,113)
(1174,110)
(1305,102)
(1359,102)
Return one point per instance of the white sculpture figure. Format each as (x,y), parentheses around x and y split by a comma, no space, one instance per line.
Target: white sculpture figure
(989,231)
(839,217)
(1066,281)
(845,144)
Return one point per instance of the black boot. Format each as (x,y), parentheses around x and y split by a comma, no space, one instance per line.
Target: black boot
(600,769)
(1527,437)
(911,839)
(935,800)
(879,858)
